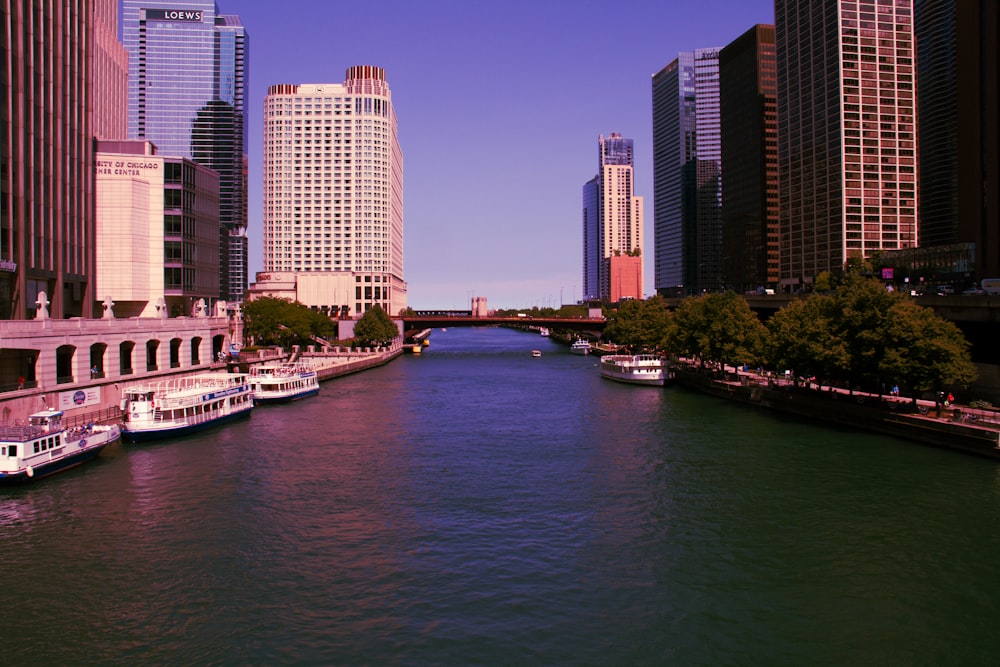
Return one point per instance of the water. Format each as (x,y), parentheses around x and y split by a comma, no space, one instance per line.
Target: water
(477,506)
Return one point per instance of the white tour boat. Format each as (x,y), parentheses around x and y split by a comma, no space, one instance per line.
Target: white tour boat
(634,369)
(580,346)
(281,383)
(44,446)
(179,406)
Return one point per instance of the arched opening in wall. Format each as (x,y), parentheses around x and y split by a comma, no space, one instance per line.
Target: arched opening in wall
(152,346)
(217,343)
(97,352)
(196,351)
(125,355)
(175,352)
(64,363)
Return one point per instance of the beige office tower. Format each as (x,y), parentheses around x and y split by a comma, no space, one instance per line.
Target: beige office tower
(847,142)
(333,191)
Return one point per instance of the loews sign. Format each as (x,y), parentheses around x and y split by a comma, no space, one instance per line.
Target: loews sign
(173,15)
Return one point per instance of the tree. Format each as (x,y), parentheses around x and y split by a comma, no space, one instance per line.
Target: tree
(862,305)
(923,351)
(802,337)
(375,328)
(275,321)
(639,324)
(717,327)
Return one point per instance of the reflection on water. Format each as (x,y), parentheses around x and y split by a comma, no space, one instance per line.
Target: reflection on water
(475,505)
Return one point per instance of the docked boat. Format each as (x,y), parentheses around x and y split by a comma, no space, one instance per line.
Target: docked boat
(545,332)
(184,405)
(634,369)
(281,383)
(44,446)
(580,346)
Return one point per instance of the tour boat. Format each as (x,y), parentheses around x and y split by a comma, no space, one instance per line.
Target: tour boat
(634,369)
(580,346)
(536,353)
(184,405)
(281,383)
(44,446)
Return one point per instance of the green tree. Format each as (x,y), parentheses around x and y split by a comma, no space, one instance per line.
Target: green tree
(639,324)
(275,321)
(923,351)
(802,337)
(375,328)
(862,305)
(717,327)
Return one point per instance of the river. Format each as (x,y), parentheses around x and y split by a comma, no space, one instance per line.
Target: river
(475,505)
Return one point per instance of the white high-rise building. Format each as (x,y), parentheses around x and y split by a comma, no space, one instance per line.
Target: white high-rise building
(333,189)
(612,223)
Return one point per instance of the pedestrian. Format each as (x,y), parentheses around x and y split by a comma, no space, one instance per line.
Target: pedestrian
(20,382)
(895,390)
(951,398)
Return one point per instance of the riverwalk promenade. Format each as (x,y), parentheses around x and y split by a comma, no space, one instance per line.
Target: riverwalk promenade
(958,427)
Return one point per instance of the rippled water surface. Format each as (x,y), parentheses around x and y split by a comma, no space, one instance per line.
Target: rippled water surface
(475,505)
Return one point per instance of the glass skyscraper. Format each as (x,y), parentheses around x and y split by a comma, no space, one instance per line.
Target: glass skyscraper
(187,94)
(687,186)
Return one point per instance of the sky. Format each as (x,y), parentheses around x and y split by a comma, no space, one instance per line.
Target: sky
(500,106)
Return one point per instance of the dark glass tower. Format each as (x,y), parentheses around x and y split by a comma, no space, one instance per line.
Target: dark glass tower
(187,94)
(747,87)
(958,60)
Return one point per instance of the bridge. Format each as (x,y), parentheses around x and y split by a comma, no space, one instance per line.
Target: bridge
(463,318)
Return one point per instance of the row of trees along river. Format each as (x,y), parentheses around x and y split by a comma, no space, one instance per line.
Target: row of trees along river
(861,336)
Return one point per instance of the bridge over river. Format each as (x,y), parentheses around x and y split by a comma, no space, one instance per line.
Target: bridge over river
(427,319)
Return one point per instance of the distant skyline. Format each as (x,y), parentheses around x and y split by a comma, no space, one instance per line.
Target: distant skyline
(500,107)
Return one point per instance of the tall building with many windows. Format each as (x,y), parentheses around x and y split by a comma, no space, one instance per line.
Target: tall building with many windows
(187,94)
(612,221)
(687,183)
(46,159)
(749,130)
(847,142)
(333,187)
(591,241)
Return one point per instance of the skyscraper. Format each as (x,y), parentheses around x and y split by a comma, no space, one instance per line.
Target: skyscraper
(847,144)
(957,77)
(687,173)
(187,94)
(747,83)
(591,241)
(46,159)
(612,222)
(333,186)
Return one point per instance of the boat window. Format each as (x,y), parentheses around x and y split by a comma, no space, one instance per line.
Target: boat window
(3,451)
(36,448)
(12,450)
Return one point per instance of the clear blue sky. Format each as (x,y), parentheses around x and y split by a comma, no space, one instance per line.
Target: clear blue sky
(500,105)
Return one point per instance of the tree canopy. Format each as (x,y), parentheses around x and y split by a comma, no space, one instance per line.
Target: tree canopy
(375,328)
(717,327)
(638,324)
(275,321)
(862,335)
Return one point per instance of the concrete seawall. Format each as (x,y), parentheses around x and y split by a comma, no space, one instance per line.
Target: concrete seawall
(893,417)
(16,406)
